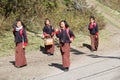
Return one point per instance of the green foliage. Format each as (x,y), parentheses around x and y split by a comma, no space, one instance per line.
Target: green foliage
(33,14)
(50,5)
(67,2)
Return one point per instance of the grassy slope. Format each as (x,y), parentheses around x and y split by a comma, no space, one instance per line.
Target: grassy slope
(7,46)
(80,21)
(114,4)
(112,14)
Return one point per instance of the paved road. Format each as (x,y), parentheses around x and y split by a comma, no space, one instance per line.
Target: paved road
(95,67)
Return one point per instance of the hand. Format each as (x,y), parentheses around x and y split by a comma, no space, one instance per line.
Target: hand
(56,29)
(71,39)
(23,47)
(96,36)
(47,35)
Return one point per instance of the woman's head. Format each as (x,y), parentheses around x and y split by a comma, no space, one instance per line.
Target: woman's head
(19,23)
(47,21)
(63,24)
(92,19)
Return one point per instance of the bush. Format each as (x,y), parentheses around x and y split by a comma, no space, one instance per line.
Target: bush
(33,13)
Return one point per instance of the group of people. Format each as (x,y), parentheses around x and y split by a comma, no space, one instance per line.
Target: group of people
(64,34)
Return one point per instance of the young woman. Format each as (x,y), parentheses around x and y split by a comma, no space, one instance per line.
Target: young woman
(65,36)
(21,42)
(93,29)
(48,31)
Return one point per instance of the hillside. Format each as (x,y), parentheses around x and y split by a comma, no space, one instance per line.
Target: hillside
(33,13)
(114,4)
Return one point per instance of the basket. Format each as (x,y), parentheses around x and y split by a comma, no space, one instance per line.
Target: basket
(48,41)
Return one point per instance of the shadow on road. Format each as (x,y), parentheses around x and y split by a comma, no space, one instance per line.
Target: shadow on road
(97,56)
(12,62)
(87,46)
(76,52)
(42,49)
(59,66)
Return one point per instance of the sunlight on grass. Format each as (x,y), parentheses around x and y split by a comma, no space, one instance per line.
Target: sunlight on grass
(7,45)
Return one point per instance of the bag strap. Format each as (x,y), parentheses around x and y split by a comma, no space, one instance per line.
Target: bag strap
(21,34)
(67,30)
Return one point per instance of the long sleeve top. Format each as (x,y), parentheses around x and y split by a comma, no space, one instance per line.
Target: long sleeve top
(65,35)
(20,36)
(93,28)
(48,30)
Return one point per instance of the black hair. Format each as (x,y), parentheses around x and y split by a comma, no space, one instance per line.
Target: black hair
(46,20)
(17,20)
(92,17)
(65,22)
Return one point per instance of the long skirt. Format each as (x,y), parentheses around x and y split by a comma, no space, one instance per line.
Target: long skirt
(49,49)
(65,51)
(20,59)
(94,42)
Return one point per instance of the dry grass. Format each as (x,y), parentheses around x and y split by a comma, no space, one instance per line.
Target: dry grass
(7,45)
(114,4)
(78,23)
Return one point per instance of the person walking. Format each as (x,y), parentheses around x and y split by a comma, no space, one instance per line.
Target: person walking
(48,32)
(93,29)
(65,36)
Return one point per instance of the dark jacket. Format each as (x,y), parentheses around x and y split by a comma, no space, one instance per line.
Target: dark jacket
(20,36)
(65,36)
(93,29)
(48,30)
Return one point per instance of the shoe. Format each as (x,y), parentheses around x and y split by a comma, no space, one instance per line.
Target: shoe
(66,69)
(50,54)
(20,66)
(24,65)
(93,50)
